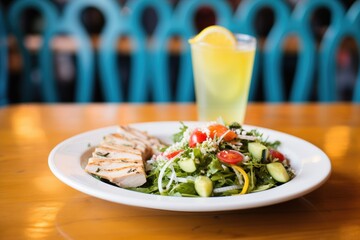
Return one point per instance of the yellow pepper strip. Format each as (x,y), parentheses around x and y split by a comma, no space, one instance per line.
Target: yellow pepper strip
(246,178)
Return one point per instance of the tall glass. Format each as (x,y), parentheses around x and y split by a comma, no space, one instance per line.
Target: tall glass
(222,78)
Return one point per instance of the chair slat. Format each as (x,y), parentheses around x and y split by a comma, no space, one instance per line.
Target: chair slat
(149,75)
(3,61)
(343,25)
(50,17)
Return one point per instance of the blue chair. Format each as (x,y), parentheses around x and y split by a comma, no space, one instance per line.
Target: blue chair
(149,69)
(152,84)
(110,73)
(3,61)
(50,16)
(309,58)
(272,57)
(70,24)
(244,19)
(354,18)
(342,25)
(329,45)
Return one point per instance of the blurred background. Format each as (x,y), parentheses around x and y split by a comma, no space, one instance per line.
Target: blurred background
(137,51)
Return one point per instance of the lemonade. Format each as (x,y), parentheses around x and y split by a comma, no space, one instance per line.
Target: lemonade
(222,65)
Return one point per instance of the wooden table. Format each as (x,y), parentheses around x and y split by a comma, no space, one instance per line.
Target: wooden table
(34,204)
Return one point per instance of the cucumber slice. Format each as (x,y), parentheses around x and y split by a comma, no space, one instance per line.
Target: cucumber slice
(278,172)
(258,151)
(187,165)
(203,186)
(263,187)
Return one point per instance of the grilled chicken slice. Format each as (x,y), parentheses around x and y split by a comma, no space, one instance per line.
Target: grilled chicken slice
(122,153)
(96,163)
(122,174)
(118,140)
(122,166)
(153,143)
(120,157)
(132,178)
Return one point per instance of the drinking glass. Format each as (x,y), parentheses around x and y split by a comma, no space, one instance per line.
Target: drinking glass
(222,77)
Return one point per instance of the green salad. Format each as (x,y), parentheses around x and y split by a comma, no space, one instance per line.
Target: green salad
(216,160)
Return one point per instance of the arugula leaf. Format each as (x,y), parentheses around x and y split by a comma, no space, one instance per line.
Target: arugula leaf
(273,145)
(214,166)
(184,189)
(177,137)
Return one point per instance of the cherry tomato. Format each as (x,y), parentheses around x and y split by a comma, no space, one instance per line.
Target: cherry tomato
(196,137)
(276,154)
(230,156)
(173,154)
(218,130)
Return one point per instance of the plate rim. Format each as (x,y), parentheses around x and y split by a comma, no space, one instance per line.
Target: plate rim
(106,191)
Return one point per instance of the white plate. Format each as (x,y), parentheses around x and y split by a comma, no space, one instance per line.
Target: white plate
(68,159)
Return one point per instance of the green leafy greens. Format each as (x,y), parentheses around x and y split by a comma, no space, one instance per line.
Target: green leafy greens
(165,176)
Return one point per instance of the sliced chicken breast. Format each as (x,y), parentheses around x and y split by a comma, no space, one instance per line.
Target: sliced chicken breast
(134,134)
(130,176)
(120,157)
(109,164)
(128,154)
(121,140)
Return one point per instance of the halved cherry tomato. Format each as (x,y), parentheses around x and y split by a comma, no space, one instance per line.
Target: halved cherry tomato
(230,156)
(218,130)
(196,137)
(276,154)
(173,154)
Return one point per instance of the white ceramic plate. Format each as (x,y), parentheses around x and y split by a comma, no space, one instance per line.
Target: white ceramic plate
(68,159)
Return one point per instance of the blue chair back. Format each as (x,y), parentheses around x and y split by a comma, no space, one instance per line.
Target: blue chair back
(354,19)
(150,73)
(3,61)
(70,24)
(342,25)
(309,58)
(244,19)
(153,86)
(110,71)
(50,16)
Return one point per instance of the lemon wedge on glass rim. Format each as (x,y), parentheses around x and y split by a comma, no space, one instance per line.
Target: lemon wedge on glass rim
(215,35)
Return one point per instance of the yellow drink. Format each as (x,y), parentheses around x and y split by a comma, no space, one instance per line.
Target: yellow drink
(222,79)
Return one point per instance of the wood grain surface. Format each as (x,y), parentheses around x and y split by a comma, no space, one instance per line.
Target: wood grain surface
(34,204)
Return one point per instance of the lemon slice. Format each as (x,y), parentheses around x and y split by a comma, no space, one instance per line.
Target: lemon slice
(215,35)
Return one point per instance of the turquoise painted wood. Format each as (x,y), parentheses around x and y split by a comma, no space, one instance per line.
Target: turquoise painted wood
(140,72)
(354,17)
(86,56)
(150,72)
(245,18)
(50,16)
(304,81)
(272,57)
(70,24)
(343,25)
(151,85)
(328,49)
(109,68)
(3,61)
